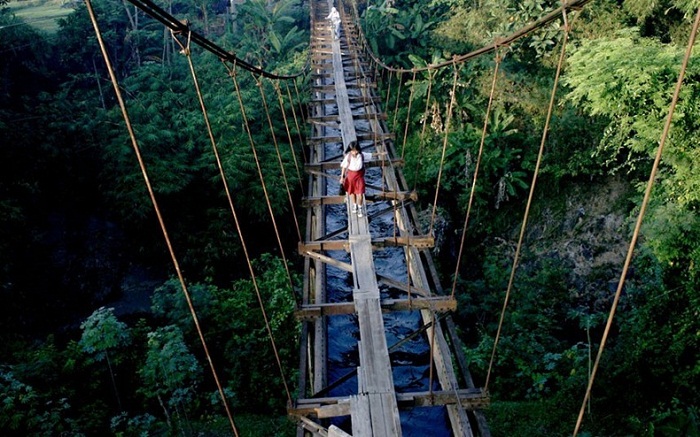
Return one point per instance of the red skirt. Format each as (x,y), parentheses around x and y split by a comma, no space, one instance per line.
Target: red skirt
(354,182)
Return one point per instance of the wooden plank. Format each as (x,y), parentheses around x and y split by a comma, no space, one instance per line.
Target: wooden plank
(334,117)
(308,202)
(403,286)
(351,99)
(333,410)
(437,303)
(328,260)
(331,165)
(338,139)
(423,241)
(334,431)
(361,423)
(469,398)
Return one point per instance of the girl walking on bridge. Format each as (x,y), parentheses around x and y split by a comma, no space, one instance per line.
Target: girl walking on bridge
(334,17)
(352,175)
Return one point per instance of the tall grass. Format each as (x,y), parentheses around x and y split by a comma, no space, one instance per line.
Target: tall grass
(41,14)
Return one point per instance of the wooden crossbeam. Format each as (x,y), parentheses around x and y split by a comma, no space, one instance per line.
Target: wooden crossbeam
(352,99)
(402,286)
(309,202)
(330,261)
(326,165)
(469,399)
(419,241)
(365,137)
(334,117)
(436,303)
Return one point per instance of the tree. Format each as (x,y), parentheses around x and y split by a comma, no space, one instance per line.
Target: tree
(171,373)
(102,333)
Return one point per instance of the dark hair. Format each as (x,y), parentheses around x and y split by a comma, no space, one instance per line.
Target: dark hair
(354,145)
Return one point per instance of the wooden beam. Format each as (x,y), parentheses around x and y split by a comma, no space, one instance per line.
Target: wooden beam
(470,399)
(436,303)
(421,242)
(334,117)
(308,202)
(363,137)
(403,286)
(330,261)
(326,165)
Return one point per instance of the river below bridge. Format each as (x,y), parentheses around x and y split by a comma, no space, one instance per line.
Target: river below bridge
(411,360)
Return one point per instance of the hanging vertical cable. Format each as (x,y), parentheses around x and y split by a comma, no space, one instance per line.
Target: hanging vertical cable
(640,216)
(233,74)
(161,222)
(186,51)
(476,172)
(408,115)
(516,257)
(259,83)
(453,96)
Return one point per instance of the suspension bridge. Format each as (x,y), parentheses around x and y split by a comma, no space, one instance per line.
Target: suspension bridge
(345,109)
(361,397)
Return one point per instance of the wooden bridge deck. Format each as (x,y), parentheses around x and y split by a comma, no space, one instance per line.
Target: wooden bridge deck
(340,82)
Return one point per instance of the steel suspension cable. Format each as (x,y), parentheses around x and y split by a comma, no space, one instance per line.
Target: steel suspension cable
(234,77)
(303,120)
(540,153)
(156,208)
(476,171)
(640,216)
(388,91)
(280,99)
(296,122)
(398,99)
(444,145)
(408,115)
(421,141)
(187,52)
(260,85)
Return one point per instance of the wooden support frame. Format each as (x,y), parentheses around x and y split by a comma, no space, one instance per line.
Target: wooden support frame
(469,399)
(419,241)
(436,303)
(331,165)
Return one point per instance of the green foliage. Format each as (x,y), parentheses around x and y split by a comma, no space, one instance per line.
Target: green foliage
(102,332)
(269,35)
(395,33)
(24,411)
(607,79)
(237,332)
(171,374)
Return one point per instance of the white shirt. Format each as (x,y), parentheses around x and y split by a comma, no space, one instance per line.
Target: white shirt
(334,16)
(354,163)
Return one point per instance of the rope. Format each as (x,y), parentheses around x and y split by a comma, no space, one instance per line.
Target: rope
(529,199)
(396,105)
(388,91)
(232,73)
(259,83)
(187,52)
(431,75)
(522,32)
(476,171)
(182,27)
(296,123)
(280,99)
(444,146)
(408,116)
(301,114)
(640,217)
(151,194)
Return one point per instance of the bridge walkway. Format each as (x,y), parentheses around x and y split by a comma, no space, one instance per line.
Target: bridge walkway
(343,109)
